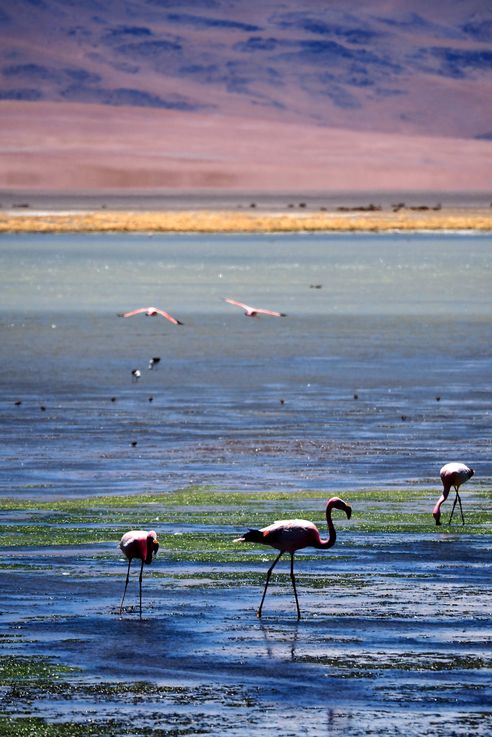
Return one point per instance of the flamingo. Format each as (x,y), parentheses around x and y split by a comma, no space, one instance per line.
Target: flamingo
(452,475)
(151,312)
(143,546)
(254,311)
(291,535)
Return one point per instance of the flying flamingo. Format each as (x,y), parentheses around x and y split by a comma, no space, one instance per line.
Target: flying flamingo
(143,546)
(294,534)
(452,475)
(151,312)
(253,311)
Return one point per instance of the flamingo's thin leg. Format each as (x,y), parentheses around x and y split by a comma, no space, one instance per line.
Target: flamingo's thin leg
(293,579)
(269,573)
(140,586)
(461,508)
(455,500)
(126,584)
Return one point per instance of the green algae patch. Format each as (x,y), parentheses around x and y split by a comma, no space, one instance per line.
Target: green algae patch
(36,727)
(33,669)
(421,662)
(104,519)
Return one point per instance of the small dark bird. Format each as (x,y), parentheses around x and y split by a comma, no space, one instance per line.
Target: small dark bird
(113,399)
(151,399)
(133,443)
(18,403)
(42,408)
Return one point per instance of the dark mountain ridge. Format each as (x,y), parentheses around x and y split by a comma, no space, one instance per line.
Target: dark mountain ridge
(400,67)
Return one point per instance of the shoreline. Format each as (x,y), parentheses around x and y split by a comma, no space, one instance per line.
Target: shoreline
(347,219)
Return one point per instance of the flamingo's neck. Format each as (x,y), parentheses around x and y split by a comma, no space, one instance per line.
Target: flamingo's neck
(332,535)
(149,549)
(436,512)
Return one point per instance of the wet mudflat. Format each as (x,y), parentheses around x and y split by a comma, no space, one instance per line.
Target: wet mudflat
(395,632)
(370,384)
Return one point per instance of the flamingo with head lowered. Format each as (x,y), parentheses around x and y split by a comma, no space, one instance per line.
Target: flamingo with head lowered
(151,312)
(253,311)
(143,546)
(452,475)
(291,535)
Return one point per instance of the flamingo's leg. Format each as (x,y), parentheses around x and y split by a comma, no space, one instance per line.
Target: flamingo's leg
(269,573)
(461,508)
(455,500)
(126,584)
(140,586)
(293,579)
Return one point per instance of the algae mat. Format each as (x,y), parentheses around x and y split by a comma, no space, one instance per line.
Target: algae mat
(394,639)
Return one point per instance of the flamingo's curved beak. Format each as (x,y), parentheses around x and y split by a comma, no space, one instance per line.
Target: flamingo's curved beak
(348,511)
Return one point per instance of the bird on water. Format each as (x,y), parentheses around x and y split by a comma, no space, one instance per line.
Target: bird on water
(452,476)
(143,546)
(291,535)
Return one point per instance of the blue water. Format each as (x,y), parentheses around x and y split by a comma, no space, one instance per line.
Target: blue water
(376,378)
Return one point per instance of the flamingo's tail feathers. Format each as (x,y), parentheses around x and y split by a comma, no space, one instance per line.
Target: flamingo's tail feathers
(252,536)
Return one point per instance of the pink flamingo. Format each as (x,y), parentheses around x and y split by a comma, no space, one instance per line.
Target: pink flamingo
(452,475)
(151,312)
(291,535)
(253,311)
(143,546)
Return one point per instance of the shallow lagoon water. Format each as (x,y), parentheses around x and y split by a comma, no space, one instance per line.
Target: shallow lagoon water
(395,635)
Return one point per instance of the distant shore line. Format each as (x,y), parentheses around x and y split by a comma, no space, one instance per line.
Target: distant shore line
(206,221)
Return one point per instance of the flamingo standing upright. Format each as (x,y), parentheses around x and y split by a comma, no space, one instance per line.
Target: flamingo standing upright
(452,475)
(151,312)
(253,311)
(143,546)
(291,535)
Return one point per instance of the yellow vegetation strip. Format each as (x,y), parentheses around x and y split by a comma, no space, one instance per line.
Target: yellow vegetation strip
(233,222)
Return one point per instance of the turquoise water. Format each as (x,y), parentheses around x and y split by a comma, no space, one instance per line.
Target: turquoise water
(402,322)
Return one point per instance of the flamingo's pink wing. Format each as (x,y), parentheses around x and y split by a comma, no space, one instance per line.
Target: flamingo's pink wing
(271,312)
(238,304)
(134,312)
(168,317)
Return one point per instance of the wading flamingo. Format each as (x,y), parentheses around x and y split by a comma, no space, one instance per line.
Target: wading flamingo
(143,546)
(452,475)
(294,534)
(151,312)
(253,311)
